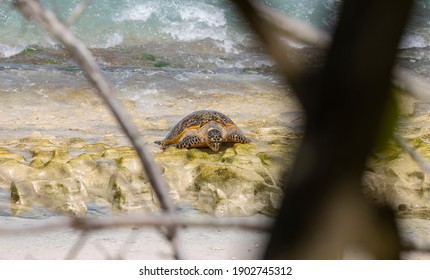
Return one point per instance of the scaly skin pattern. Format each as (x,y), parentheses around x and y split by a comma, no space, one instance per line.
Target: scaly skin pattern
(192,131)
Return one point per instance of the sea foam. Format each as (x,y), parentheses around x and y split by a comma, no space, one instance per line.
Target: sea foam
(7,51)
(113,40)
(183,21)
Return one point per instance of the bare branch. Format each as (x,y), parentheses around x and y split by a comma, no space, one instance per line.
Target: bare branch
(102,249)
(77,247)
(412,84)
(333,97)
(74,16)
(162,220)
(417,157)
(49,21)
(301,32)
(304,33)
(173,220)
(292,28)
(131,238)
(278,48)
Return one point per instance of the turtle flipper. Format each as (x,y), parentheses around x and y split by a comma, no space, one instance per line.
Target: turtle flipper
(188,142)
(162,143)
(159,142)
(236,136)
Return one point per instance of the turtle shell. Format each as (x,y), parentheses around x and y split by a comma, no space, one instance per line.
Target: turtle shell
(196,120)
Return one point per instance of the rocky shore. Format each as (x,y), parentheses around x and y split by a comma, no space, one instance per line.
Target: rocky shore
(393,175)
(61,149)
(64,174)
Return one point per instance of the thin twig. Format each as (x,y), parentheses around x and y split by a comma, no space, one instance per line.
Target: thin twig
(302,32)
(49,21)
(79,9)
(417,157)
(162,220)
(412,84)
(131,238)
(173,220)
(276,47)
(107,256)
(291,27)
(77,247)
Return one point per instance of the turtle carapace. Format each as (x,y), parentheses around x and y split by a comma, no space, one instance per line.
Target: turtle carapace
(203,128)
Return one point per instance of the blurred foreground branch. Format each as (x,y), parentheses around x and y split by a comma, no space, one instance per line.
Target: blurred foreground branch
(417,157)
(87,225)
(345,104)
(60,31)
(79,9)
(287,26)
(163,220)
(301,32)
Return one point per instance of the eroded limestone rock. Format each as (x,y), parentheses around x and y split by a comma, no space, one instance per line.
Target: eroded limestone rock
(63,176)
(128,196)
(22,196)
(234,181)
(396,178)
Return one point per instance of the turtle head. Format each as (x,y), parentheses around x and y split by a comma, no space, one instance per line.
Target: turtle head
(214,138)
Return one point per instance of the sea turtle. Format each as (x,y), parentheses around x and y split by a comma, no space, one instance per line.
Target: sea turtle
(203,128)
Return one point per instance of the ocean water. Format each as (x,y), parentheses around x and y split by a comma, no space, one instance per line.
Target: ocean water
(107,24)
(113,23)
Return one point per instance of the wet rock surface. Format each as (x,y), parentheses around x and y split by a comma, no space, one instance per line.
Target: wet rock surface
(61,149)
(393,176)
(242,179)
(64,175)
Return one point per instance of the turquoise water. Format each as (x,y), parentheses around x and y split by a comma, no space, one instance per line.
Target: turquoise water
(107,23)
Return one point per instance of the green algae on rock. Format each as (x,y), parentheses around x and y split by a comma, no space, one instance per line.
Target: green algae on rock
(394,177)
(6,154)
(22,196)
(115,153)
(233,181)
(126,197)
(63,175)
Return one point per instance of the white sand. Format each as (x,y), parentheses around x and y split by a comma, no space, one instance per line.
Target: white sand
(128,243)
(150,244)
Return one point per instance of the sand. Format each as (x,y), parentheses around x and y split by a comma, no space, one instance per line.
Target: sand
(126,243)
